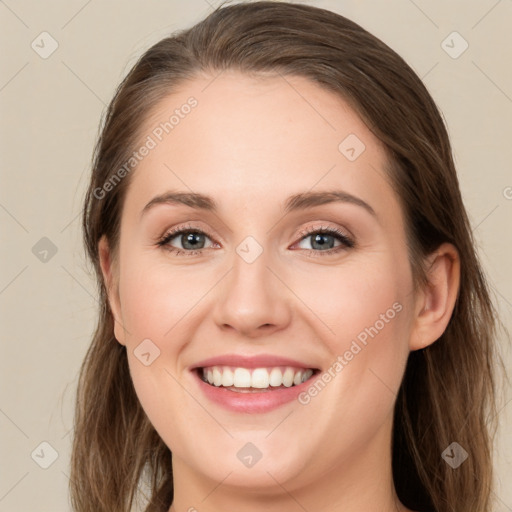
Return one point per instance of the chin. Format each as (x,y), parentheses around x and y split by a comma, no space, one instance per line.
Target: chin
(258,478)
(254,468)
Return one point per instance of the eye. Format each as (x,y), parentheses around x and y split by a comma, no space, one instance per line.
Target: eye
(323,240)
(192,241)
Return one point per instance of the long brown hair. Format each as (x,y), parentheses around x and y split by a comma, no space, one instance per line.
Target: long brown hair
(448,391)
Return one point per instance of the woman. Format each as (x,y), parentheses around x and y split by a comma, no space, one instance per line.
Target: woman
(293,315)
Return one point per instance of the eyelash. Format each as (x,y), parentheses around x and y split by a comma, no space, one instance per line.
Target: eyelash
(346,242)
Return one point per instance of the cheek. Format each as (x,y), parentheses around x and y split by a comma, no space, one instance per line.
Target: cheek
(357,301)
(367,308)
(156,298)
(157,304)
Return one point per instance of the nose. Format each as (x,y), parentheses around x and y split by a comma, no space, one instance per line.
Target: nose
(253,300)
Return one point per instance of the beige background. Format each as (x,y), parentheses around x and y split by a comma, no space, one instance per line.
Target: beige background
(50,112)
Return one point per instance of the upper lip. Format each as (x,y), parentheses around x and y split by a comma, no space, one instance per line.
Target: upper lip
(256,361)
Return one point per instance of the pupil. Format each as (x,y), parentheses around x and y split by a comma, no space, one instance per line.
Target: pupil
(318,239)
(190,239)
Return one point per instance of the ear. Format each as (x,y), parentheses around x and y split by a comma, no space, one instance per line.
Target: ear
(112,285)
(435,303)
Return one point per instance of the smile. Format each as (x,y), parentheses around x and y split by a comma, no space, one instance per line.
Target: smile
(247,380)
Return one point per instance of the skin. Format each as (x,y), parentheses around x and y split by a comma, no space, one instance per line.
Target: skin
(250,143)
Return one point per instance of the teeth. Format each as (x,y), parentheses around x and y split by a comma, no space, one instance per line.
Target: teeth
(217,377)
(276,377)
(227,377)
(260,378)
(242,378)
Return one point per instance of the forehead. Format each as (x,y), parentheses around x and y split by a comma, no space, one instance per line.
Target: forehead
(254,140)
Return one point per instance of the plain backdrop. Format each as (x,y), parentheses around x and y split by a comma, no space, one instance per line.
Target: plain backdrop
(60,64)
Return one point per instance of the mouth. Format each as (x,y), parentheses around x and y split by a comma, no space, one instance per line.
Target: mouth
(255,380)
(252,384)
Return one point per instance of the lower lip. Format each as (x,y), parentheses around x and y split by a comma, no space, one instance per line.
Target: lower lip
(251,402)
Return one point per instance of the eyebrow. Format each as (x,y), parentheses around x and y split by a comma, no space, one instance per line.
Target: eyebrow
(295,202)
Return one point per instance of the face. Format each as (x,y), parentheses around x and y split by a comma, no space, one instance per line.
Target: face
(288,286)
